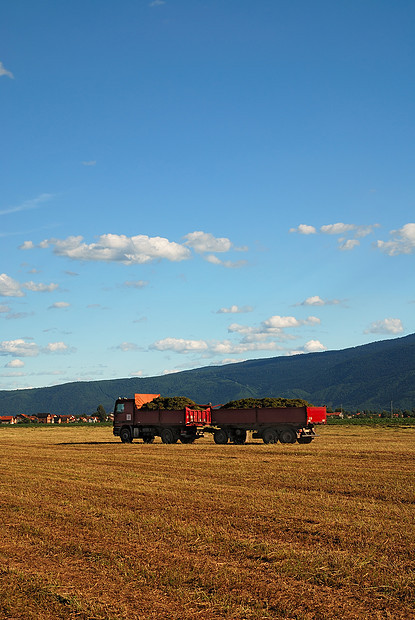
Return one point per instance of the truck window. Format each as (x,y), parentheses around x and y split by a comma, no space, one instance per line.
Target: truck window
(119,408)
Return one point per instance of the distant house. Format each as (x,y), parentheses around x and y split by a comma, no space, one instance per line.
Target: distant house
(7,419)
(64,419)
(24,418)
(45,418)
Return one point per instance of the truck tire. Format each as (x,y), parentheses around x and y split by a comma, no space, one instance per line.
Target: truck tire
(220,436)
(148,438)
(269,435)
(168,435)
(125,435)
(288,435)
(239,438)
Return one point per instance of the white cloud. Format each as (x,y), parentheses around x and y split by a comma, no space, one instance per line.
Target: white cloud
(128,346)
(9,287)
(351,233)
(214,260)
(272,328)
(135,283)
(205,242)
(179,345)
(211,348)
(3,70)
(402,242)
(139,249)
(27,245)
(157,3)
(138,373)
(385,326)
(4,309)
(242,329)
(234,309)
(27,204)
(18,315)
(282,322)
(348,244)
(337,229)
(89,163)
(364,231)
(40,288)
(19,348)
(59,304)
(24,348)
(16,363)
(57,347)
(313,346)
(316,300)
(304,229)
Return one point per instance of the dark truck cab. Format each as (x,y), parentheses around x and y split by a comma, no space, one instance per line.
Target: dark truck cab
(131,422)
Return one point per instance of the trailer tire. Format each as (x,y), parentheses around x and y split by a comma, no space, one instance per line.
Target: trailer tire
(125,435)
(220,436)
(168,435)
(305,439)
(269,435)
(288,435)
(187,439)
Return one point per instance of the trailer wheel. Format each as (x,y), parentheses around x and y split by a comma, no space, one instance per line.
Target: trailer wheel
(168,435)
(125,435)
(185,439)
(288,435)
(269,435)
(220,436)
(305,439)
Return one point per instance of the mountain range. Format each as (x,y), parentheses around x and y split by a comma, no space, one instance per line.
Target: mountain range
(372,376)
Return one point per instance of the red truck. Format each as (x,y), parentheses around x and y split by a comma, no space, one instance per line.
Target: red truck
(284,424)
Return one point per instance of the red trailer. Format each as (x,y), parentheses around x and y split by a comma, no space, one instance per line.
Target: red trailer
(271,424)
(284,424)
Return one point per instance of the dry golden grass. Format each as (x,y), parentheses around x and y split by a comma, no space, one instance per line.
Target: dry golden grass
(96,529)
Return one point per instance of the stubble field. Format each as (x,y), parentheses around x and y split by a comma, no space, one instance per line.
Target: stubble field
(96,529)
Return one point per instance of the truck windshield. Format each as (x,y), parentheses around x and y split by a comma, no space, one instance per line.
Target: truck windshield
(119,408)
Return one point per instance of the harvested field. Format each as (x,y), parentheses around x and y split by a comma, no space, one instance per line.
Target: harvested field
(96,529)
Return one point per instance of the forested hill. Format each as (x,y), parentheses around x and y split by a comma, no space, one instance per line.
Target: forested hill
(370,376)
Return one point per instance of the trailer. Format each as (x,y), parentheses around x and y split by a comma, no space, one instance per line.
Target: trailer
(271,424)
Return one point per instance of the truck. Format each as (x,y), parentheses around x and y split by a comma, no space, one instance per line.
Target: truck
(271,424)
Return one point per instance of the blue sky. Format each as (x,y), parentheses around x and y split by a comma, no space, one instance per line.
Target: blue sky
(188,183)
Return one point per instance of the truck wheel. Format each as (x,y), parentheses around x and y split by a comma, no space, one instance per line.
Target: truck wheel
(125,435)
(168,436)
(239,438)
(288,435)
(269,436)
(148,438)
(220,436)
